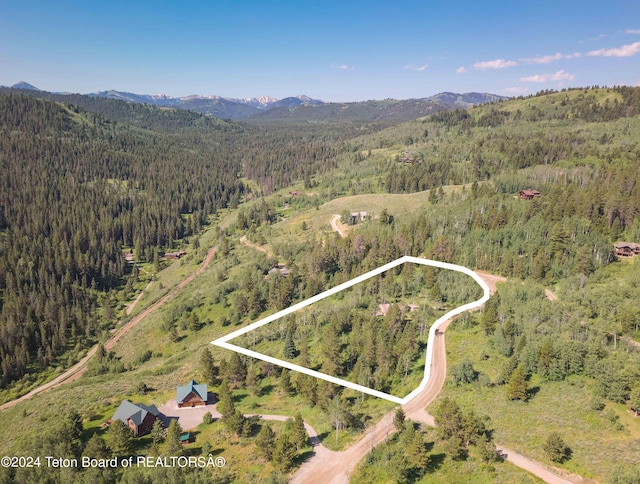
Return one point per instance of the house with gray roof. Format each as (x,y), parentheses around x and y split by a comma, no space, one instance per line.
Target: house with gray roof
(191,395)
(138,417)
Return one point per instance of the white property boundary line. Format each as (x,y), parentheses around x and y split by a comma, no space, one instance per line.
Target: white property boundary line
(224,341)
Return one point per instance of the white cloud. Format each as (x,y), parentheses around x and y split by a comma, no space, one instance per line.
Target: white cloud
(494,64)
(632,31)
(547,59)
(516,90)
(461,70)
(412,67)
(561,75)
(624,51)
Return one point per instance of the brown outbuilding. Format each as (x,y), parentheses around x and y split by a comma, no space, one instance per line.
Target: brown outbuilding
(529,194)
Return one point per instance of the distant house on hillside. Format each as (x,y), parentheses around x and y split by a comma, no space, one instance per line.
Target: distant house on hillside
(626,249)
(357,217)
(529,194)
(174,255)
(138,417)
(383,309)
(281,268)
(191,395)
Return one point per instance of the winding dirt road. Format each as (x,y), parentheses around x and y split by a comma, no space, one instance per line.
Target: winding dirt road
(334,225)
(77,370)
(330,467)
(244,241)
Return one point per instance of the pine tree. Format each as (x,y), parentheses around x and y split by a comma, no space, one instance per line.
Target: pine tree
(448,417)
(285,382)
(299,433)
(226,407)
(96,448)
(417,452)
(284,452)
(173,445)
(289,351)
(208,367)
(517,387)
(399,419)
(265,442)
(555,447)
(157,437)
(236,369)
(120,439)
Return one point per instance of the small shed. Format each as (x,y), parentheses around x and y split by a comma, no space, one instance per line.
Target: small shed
(175,255)
(186,438)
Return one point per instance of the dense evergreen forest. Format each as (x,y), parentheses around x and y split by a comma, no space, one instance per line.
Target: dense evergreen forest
(77,189)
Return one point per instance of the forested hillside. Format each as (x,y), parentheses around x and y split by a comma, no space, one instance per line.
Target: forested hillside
(77,189)
(81,186)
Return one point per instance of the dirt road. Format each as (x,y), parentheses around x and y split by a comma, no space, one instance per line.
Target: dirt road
(244,241)
(329,467)
(334,225)
(77,370)
(133,305)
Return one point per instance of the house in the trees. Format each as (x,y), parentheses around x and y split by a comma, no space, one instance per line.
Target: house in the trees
(529,194)
(626,249)
(357,217)
(175,255)
(383,309)
(191,395)
(138,417)
(280,268)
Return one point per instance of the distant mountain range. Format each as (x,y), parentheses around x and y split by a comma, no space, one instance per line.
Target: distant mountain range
(300,108)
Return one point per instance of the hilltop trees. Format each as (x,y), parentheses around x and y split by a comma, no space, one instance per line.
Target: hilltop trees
(458,428)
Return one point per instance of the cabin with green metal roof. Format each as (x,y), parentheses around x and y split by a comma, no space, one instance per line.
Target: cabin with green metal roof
(191,395)
(138,417)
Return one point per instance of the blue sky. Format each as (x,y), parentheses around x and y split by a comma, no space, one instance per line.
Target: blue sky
(331,50)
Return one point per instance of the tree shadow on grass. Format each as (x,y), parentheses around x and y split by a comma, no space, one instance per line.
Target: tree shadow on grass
(532,392)
(266,390)
(436,461)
